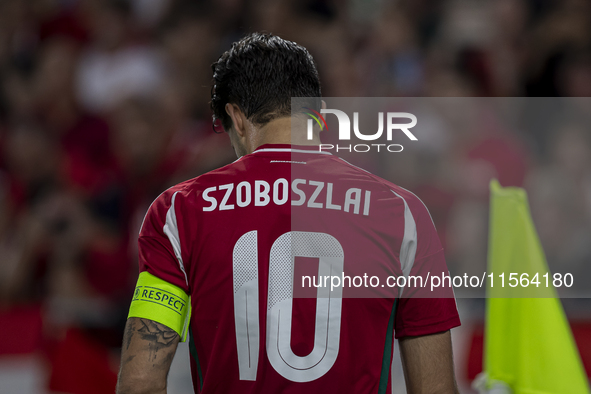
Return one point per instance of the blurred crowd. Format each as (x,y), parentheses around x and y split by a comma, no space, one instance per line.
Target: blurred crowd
(104,104)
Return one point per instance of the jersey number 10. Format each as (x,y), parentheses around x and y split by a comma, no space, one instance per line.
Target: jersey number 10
(279,305)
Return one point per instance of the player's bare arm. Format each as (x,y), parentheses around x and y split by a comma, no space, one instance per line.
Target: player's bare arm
(427,362)
(147,352)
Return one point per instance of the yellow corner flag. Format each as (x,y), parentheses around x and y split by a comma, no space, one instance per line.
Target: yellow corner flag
(529,347)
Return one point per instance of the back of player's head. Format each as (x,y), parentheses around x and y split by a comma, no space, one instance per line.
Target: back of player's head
(260,74)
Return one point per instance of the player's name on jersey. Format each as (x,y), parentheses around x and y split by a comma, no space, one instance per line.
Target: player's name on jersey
(307,193)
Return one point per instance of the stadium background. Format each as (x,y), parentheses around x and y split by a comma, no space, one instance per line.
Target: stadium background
(104,104)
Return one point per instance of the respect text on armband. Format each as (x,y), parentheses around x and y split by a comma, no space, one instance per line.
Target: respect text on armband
(159,296)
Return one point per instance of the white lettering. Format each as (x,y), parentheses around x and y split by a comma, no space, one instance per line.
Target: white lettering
(212,200)
(261,193)
(356,202)
(395,151)
(301,194)
(344,122)
(283,199)
(329,204)
(404,127)
(312,201)
(371,137)
(366,203)
(224,206)
(243,202)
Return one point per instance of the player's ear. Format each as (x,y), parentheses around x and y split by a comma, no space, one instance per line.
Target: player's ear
(323,106)
(238,118)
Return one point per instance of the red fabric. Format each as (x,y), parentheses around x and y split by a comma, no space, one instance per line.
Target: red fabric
(371,243)
(20,330)
(81,366)
(476,352)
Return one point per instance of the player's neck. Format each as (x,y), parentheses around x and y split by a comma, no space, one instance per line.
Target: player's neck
(283,131)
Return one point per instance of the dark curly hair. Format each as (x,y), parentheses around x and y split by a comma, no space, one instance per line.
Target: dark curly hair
(260,74)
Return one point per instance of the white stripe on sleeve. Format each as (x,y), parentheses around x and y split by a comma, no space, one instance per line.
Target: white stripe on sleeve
(172,232)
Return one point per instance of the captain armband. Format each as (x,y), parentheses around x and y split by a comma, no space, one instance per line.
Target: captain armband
(162,302)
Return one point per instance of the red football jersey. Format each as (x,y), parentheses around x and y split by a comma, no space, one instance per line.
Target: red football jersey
(239,239)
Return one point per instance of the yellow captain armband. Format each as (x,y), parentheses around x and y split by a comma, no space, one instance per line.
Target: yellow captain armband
(162,302)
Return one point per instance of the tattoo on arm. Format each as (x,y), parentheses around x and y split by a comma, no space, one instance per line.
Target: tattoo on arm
(156,332)
(150,336)
(159,337)
(147,351)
